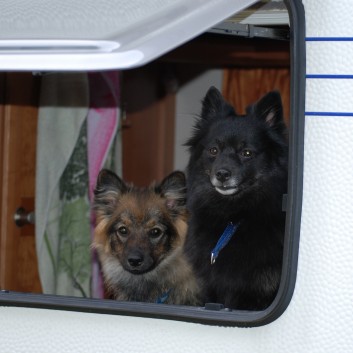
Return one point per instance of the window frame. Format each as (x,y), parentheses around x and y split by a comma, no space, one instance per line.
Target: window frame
(224,317)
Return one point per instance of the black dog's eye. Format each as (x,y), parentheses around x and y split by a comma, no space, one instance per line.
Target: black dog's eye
(213,151)
(122,231)
(246,153)
(155,232)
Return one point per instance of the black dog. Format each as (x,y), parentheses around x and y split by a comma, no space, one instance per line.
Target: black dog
(237,175)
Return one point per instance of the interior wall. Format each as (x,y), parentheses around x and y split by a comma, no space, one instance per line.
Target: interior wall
(188,105)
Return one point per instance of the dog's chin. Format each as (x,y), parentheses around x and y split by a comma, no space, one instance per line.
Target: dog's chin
(138,272)
(228,188)
(226,191)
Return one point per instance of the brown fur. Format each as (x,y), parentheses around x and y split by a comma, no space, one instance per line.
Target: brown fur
(148,261)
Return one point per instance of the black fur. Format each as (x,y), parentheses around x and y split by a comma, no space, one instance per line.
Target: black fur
(245,157)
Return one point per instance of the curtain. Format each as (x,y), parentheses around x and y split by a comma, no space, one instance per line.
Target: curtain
(77,136)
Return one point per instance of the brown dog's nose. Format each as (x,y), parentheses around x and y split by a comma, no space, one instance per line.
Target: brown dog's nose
(135,259)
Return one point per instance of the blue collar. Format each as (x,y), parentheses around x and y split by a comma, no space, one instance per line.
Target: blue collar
(227,234)
(163,297)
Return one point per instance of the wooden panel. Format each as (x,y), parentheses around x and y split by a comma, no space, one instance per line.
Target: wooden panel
(148,128)
(2,134)
(232,51)
(18,261)
(242,87)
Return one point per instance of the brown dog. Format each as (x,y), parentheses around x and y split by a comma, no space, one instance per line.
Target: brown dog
(139,238)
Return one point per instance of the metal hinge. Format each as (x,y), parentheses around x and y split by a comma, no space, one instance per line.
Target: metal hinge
(250,31)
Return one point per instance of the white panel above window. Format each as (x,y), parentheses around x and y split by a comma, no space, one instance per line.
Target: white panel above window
(101,34)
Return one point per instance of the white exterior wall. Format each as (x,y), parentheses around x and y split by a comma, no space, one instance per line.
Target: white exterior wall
(320,315)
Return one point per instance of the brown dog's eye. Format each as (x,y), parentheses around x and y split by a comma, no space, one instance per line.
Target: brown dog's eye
(155,232)
(122,230)
(213,151)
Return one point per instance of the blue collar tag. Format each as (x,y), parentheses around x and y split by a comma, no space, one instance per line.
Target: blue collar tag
(228,232)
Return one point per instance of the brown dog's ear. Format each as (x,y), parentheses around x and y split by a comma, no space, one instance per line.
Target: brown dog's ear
(173,189)
(108,189)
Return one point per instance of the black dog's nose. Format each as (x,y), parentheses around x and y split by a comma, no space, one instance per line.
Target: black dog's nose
(135,259)
(223,175)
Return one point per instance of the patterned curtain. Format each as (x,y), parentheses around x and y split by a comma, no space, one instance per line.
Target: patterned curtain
(77,136)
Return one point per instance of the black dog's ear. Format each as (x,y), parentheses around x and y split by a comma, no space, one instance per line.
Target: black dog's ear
(108,189)
(173,189)
(214,105)
(269,108)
